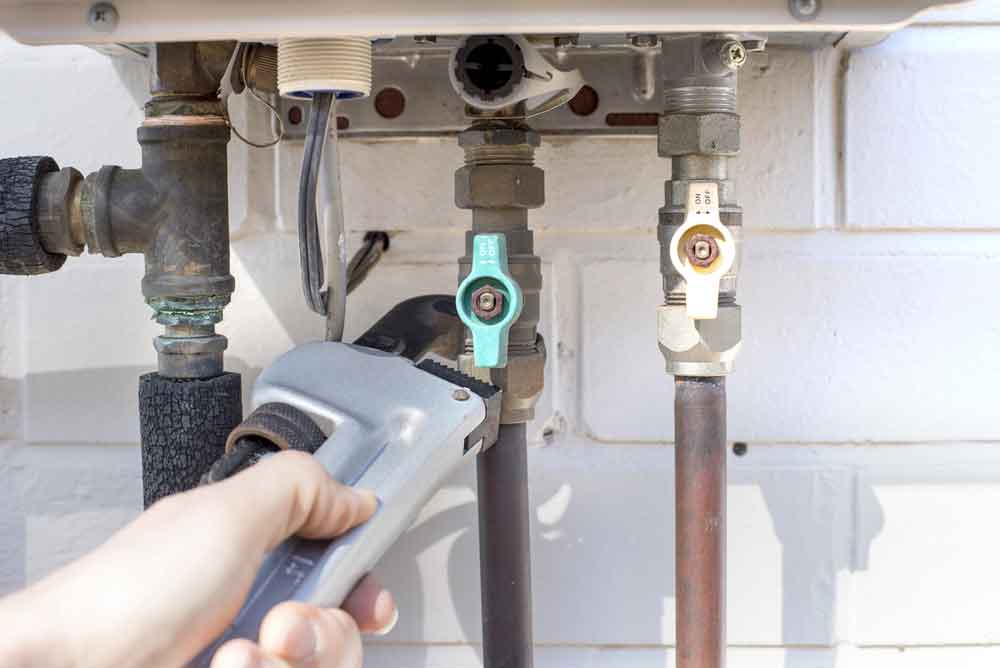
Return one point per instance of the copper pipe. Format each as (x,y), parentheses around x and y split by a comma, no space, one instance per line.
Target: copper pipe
(700,489)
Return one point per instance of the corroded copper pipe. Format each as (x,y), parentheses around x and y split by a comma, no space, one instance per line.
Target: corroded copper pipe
(700,489)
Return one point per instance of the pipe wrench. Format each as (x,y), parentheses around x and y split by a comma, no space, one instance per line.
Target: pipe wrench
(398,428)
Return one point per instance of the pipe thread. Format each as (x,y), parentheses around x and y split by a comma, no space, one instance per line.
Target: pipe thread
(700,100)
(680,299)
(342,65)
(500,154)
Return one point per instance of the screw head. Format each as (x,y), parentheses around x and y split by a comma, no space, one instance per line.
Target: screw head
(804,10)
(103,17)
(644,41)
(460,395)
(734,55)
(487,302)
(564,41)
(701,250)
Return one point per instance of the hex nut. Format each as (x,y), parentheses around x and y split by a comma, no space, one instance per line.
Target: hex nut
(701,250)
(723,333)
(503,135)
(699,347)
(496,298)
(676,192)
(60,224)
(522,380)
(706,134)
(499,186)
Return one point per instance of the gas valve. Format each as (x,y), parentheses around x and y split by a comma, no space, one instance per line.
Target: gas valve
(489,300)
(702,250)
(699,328)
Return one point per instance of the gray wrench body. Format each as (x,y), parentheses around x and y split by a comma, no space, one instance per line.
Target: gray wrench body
(398,430)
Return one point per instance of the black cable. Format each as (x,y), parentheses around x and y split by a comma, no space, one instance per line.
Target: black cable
(376,243)
(310,250)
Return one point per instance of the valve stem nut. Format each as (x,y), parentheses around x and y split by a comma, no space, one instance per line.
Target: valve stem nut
(487,302)
(701,250)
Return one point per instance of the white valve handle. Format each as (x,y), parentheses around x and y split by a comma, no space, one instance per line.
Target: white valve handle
(702,220)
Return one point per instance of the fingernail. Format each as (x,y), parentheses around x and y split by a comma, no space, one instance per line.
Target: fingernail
(391,625)
(238,657)
(300,640)
(368,498)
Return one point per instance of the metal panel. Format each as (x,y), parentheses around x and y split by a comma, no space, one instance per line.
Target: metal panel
(66,21)
(433,108)
(628,98)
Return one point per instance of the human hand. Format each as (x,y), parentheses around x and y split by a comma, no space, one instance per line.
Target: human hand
(169,583)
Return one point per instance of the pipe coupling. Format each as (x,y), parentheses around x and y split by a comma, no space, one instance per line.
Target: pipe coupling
(522,380)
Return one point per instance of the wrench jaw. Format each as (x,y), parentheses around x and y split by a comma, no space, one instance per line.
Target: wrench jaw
(483,437)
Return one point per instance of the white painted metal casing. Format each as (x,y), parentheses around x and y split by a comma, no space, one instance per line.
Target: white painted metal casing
(66,21)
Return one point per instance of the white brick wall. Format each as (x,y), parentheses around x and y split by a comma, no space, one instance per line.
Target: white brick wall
(861,519)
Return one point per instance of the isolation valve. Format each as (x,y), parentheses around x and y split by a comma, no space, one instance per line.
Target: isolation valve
(698,328)
(702,250)
(489,300)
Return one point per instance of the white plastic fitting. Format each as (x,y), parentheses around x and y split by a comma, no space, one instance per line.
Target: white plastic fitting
(702,220)
(338,64)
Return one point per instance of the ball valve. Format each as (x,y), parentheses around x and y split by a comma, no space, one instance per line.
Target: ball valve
(489,300)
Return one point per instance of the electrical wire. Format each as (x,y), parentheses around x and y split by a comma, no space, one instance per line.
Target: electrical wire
(310,252)
(375,244)
(331,203)
(256,96)
(320,197)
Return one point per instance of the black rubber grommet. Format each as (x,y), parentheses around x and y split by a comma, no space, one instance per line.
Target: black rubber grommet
(21,250)
(271,428)
(285,426)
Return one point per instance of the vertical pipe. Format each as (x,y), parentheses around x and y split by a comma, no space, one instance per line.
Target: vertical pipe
(700,489)
(505,551)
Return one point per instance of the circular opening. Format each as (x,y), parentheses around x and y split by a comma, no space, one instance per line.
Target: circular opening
(390,103)
(739,449)
(295,115)
(489,66)
(585,102)
(343,123)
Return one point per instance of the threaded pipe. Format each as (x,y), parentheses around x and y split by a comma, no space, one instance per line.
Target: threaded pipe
(342,65)
(700,100)
(500,154)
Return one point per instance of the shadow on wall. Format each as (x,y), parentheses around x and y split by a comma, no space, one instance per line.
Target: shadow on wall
(810,551)
(70,465)
(587,556)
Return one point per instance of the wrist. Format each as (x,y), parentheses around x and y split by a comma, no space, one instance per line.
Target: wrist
(29,638)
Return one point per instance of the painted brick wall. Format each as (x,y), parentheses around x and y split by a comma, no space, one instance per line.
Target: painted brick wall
(861,517)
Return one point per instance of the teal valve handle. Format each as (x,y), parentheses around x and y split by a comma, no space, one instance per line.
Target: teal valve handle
(490,274)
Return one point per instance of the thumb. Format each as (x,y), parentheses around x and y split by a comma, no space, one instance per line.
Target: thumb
(291,493)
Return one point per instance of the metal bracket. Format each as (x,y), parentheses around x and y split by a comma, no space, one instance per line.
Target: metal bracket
(412,95)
